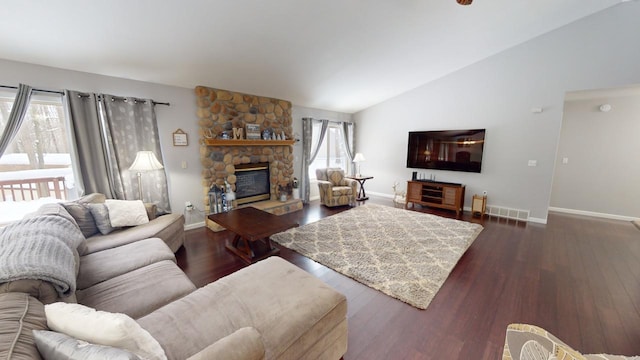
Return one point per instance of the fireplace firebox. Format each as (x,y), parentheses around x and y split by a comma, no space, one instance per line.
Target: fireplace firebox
(252,183)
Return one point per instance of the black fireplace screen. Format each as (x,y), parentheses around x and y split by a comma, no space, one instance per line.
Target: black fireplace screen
(252,183)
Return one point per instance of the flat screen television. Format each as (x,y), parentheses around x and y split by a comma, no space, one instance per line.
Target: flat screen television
(456,150)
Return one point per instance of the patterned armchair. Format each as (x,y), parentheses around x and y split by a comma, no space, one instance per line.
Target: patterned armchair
(530,342)
(335,189)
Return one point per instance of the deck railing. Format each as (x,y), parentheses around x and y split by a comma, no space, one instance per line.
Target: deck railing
(33,189)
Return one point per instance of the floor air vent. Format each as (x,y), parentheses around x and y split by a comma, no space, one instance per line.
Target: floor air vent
(507,213)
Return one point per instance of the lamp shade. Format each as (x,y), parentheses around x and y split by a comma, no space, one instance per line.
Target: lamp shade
(358,158)
(145,161)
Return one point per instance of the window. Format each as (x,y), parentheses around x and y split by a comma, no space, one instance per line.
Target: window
(332,152)
(36,167)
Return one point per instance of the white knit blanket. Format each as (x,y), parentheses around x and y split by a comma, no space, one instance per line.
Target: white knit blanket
(41,248)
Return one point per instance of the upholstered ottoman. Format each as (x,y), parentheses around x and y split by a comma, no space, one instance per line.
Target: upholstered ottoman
(289,314)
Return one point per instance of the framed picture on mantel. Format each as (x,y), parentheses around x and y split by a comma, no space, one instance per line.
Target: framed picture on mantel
(253,131)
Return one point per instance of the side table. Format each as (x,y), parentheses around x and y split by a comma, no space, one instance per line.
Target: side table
(362,195)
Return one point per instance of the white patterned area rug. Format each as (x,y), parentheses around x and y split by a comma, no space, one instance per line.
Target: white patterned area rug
(405,254)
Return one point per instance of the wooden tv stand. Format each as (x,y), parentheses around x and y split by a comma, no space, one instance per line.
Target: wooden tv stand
(442,195)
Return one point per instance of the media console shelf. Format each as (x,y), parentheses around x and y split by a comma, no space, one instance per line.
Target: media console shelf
(442,195)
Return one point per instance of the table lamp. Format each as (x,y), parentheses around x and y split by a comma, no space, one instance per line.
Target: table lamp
(358,159)
(144,161)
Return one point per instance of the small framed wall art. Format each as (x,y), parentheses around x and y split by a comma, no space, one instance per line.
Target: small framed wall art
(180,138)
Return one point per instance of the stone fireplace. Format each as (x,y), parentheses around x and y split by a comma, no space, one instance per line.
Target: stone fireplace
(223,111)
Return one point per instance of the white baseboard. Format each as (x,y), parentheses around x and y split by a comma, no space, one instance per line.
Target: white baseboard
(194,225)
(466,208)
(389,196)
(592,214)
(538,220)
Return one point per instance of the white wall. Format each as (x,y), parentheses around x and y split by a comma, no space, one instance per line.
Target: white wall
(602,149)
(184,184)
(497,93)
(297,113)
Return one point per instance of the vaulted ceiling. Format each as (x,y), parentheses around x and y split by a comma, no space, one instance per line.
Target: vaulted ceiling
(342,55)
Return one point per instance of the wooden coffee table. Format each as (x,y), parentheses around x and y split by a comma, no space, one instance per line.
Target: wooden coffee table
(250,225)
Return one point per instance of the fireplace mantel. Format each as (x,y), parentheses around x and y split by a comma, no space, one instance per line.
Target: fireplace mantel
(225,142)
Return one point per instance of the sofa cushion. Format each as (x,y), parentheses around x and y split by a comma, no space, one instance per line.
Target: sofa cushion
(140,291)
(127,212)
(102,328)
(19,315)
(42,290)
(100,214)
(338,191)
(335,176)
(169,228)
(83,217)
(81,213)
(54,345)
(244,344)
(292,305)
(107,264)
(152,210)
(93,198)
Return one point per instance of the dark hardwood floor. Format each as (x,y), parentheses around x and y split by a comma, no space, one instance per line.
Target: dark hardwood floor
(578,277)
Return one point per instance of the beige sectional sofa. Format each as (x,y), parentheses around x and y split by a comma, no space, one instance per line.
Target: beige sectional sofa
(269,310)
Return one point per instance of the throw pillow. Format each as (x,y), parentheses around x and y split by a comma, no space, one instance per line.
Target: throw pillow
(127,212)
(564,352)
(53,345)
(103,328)
(83,217)
(532,350)
(100,214)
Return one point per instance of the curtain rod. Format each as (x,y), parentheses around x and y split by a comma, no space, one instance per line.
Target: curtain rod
(125,99)
(83,95)
(331,121)
(34,89)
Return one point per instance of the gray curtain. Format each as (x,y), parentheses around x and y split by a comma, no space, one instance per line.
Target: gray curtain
(18,112)
(348,136)
(92,172)
(310,145)
(130,126)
